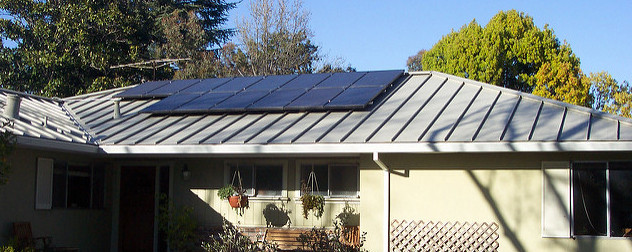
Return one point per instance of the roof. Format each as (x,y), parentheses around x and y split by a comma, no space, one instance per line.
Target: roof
(45,122)
(423,112)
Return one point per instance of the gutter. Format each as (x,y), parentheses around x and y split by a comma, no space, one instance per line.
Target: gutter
(387,201)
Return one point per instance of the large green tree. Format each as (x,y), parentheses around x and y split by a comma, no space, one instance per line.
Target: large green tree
(511,51)
(69,47)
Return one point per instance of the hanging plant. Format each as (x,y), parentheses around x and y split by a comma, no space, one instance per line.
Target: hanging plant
(235,195)
(311,201)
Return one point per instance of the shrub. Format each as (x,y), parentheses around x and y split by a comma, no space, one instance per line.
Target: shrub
(230,240)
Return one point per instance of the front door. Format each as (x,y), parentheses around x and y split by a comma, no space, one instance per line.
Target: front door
(137,208)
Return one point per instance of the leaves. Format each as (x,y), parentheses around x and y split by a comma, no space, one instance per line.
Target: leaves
(69,47)
(610,96)
(277,39)
(512,52)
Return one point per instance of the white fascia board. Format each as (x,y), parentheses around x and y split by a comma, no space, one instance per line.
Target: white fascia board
(49,144)
(343,148)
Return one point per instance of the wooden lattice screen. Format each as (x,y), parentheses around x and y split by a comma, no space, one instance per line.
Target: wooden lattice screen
(439,236)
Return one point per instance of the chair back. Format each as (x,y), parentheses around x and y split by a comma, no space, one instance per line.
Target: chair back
(23,234)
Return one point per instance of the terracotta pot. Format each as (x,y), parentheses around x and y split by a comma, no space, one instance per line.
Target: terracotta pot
(238,201)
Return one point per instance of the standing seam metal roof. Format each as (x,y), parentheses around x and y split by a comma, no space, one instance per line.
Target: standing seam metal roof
(422,111)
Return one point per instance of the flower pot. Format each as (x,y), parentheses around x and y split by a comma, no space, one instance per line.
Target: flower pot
(238,201)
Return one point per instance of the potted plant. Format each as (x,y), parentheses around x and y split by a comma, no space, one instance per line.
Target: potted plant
(311,202)
(235,195)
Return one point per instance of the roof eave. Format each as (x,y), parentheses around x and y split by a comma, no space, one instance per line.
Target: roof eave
(359,148)
(49,144)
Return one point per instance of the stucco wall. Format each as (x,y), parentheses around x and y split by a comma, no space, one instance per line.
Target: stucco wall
(87,229)
(501,188)
(208,176)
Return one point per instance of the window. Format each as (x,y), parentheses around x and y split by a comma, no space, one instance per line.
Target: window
(77,186)
(258,179)
(335,180)
(597,185)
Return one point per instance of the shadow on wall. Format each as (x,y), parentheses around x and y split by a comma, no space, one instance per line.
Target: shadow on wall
(277,217)
(508,232)
(203,213)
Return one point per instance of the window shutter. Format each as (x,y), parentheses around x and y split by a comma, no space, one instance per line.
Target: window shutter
(556,199)
(44,184)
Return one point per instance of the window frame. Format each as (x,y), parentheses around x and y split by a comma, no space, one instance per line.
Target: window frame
(330,164)
(92,169)
(608,203)
(254,163)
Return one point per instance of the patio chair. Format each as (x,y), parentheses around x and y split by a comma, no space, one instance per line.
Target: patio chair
(25,240)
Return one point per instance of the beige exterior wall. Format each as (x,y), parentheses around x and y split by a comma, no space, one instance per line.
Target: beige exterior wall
(208,175)
(87,229)
(501,188)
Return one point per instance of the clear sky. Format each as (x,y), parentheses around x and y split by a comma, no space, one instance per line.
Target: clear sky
(381,35)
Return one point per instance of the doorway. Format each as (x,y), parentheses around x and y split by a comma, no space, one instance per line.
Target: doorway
(137,208)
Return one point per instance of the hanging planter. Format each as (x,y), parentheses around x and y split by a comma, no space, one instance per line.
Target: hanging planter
(238,201)
(234,194)
(312,202)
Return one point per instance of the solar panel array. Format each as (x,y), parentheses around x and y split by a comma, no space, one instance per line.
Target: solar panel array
(322,91)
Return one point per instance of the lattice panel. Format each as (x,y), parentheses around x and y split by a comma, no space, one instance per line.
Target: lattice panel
(439,236)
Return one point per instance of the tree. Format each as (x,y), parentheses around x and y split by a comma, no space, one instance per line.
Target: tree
(511,51)
(414,62)
(609,96)
(276,39)
(70,47)
(7,145)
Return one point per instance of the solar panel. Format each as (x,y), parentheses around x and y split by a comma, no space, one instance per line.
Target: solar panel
(340,80)
(204,102)
(240,100)
(205,85)
(277,99)
(170,103)
(354,97)
(378,78)
(171,88)
(270,93)
(238,84)
(315,98)
(271,82)
(305,81)
(140,90)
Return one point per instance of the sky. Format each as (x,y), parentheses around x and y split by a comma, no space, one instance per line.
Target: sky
(381,35)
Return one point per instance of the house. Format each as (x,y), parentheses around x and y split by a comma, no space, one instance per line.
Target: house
(391,148)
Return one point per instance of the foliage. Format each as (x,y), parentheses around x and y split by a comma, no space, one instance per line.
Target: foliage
(556,80)
(414,62)
(230,240)
(610,96)
(71,47)
(511,51)
(321,239)
(311,202)
(226,192)
(332,68)
(177,224)
(7,145)
(277,39)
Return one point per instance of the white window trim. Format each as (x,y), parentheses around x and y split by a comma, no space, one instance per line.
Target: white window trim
(284,181)
(329,163)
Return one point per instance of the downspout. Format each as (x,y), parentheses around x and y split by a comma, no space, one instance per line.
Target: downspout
(387,201)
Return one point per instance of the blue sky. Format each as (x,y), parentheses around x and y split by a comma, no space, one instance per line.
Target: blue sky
(380,35)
